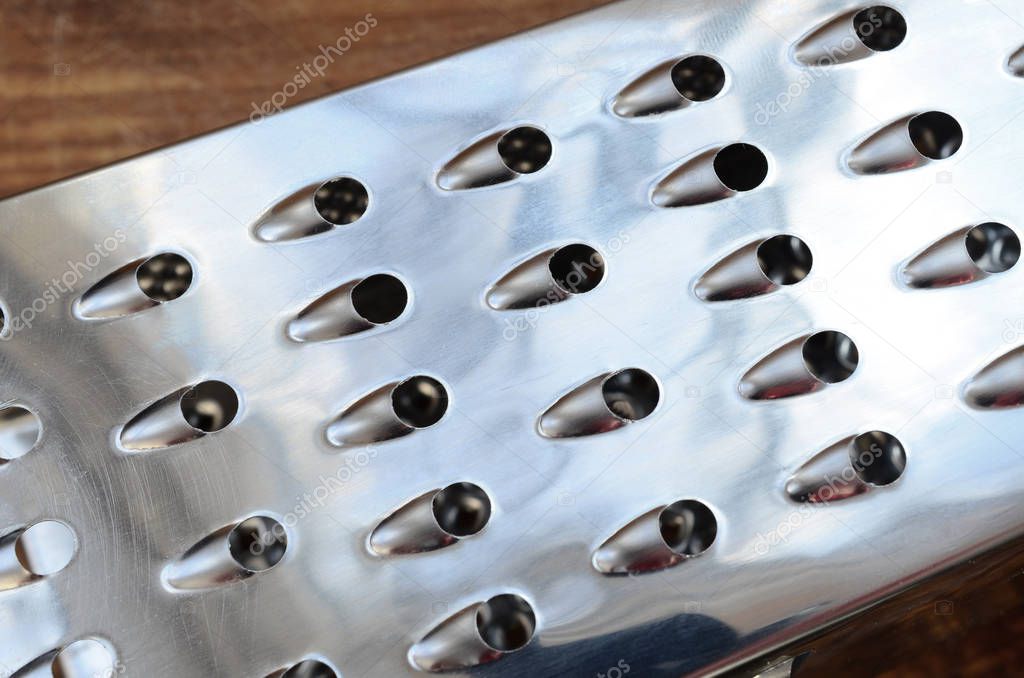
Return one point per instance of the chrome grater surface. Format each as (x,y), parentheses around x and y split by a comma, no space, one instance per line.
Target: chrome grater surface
(557,340)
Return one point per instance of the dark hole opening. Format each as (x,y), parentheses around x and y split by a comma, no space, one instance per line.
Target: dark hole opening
(462,509)
(419,401)
(878,457)
(577,268)
(741,167)
(341,201)
(880,28)
(993,247)
(380,298)
(784,259)
(506,622)
(258,543)
(310,668)
(209,406)
(698,78)
(688,527)
(830,356)
(524,149)
(936,135)
(631,394)
(164,277)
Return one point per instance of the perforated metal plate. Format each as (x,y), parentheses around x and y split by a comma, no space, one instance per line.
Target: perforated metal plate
(736,404)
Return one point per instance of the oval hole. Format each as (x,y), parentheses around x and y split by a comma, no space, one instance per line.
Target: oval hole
(784,259)
(880,28)
(20,431)
(209,406)
(341,201)
(506,623)
(878,457)
(419,401)
(380,298)
(164,277)
(46,547)
(577,268)
(258,543)
(86,658)
(462,509)
(993,247)
(310,668)
(524,149)
(631,394)
(741,167)
(830,356)
(936,135)
(688,527)
(698,78)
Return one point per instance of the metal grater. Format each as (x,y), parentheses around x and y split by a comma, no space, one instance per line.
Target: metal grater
(649,342)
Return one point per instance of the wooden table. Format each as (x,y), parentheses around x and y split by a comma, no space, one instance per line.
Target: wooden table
(87,83)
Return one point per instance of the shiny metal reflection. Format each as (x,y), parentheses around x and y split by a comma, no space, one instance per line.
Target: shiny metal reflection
(20,431)
(314,209)
(136,286)
(548,278)
(803,365)
(711,175)
(999,385)
(229,554)
(604,403)
(187,414)
(478,634)
(660,538)
(852,35)
(670,86)
(354,307)
(391,411)
(849,467)
(433,520)
(85,658)
(497,158)
(966,255)
(757,268)
(560,491)
(907,143)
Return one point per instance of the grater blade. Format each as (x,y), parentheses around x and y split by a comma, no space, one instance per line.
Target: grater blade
(650,342)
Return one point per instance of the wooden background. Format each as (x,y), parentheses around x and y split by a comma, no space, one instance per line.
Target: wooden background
(85,83)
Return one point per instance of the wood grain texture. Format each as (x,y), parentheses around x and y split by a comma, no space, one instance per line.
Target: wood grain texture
(89,82)
(86,83)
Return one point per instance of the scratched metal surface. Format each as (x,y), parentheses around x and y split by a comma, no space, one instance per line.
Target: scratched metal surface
(777,568)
